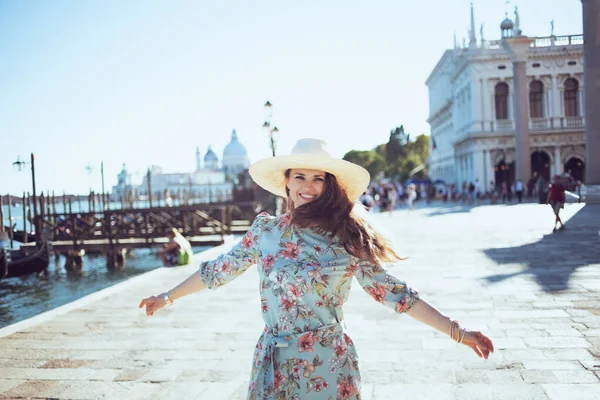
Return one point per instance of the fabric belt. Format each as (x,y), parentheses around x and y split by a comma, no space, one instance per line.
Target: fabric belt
(270,345)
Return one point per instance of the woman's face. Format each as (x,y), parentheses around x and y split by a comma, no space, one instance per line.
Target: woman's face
(305,185)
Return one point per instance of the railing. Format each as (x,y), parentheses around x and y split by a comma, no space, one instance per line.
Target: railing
(551,41)
(506,125)
(538,124)
(572,122)
(503,125)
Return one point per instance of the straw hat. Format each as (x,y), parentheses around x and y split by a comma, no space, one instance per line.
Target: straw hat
(269,173)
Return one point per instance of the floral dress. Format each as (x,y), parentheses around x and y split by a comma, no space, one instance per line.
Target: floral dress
(305,278)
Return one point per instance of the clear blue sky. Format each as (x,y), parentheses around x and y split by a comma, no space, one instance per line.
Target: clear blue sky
(145,82)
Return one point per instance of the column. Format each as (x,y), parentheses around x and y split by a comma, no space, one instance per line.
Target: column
(519,47)
(555,98)
(478,168)
(489,169)
(591,76)
(558,167)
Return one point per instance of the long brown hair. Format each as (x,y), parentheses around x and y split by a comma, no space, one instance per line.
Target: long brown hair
(332,213)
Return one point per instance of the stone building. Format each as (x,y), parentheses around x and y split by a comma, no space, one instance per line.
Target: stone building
(210,181)
(473,95)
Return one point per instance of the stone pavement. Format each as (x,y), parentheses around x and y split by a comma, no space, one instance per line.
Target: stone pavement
(496,268)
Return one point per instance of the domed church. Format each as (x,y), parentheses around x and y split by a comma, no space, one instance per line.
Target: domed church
(235,159)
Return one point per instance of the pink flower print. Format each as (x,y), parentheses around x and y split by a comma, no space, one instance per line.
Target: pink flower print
(351,270)
(294,292)
(318,387)
(284,220)
(306,342)
(264,306)
(318,249)
(291,251)
(315,273)
(279,379)
(378,293)
(401,306)
(347,340)
(320,303)
(287,303)
(226,266)
(340,349)
(248,240)
(267,262)
(308,368)
(325,384)
(345,389)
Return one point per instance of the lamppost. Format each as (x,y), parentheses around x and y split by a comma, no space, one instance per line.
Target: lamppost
(20,165)
(89,169)
(273,134)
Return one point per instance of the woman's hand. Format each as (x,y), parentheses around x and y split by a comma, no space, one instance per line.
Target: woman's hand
(153,304)
(481,344)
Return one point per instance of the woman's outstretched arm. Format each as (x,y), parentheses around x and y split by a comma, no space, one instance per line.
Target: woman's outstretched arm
(191,285)
(427,314)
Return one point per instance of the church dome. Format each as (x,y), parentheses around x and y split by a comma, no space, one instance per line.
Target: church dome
(210,155)
(234,148)
(507,24)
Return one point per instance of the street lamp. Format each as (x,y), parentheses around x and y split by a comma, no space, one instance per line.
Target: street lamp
(89,168)
(272,132)
(20,165)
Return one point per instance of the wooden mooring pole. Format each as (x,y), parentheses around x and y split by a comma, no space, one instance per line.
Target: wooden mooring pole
(1,216)
(10,225)
(25,219)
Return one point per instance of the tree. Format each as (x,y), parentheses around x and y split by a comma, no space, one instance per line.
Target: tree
(368,159)
(395,147)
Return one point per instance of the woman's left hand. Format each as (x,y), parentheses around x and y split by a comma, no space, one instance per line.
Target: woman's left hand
(481,344)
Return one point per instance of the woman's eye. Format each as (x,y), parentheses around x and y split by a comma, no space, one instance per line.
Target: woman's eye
(301,178)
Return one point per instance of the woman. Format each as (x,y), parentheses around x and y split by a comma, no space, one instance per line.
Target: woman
(177,251)
(306,260)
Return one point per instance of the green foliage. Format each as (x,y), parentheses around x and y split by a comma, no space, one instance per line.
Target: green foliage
(368,159)
(396,158)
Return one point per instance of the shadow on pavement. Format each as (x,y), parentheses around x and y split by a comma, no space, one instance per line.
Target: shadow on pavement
(554,258)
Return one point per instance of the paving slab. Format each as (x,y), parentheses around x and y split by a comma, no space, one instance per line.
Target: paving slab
(497,268)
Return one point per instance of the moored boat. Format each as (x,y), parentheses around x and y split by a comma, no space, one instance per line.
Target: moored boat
(17,265)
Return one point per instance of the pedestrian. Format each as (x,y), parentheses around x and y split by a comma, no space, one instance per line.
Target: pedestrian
(306,259)
(471,193)
(177,251)
(411,196)
(556,199)
(519,186)
(367,201)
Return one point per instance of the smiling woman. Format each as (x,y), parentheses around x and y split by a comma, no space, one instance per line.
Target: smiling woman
(304,185)
(307,259)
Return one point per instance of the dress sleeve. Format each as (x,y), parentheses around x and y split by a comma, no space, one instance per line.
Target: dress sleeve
(383,287)
(236,261)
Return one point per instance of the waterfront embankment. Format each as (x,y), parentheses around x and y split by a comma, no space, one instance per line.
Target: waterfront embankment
(496,268)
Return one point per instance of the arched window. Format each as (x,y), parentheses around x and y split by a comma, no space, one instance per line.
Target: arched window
(571,89)
(536,93)
(501,97)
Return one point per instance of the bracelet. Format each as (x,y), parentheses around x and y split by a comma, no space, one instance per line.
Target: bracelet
(167,299)
(462,336)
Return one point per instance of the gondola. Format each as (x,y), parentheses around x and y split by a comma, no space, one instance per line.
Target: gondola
(18,265)
(19,236)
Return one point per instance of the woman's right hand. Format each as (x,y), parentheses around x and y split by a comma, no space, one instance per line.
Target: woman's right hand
(153,304)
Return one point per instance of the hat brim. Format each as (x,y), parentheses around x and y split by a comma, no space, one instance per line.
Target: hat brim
(269,173)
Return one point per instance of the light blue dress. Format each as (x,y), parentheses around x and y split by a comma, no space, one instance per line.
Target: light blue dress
(305,280)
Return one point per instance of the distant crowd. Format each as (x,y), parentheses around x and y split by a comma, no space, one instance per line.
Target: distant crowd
(388,195)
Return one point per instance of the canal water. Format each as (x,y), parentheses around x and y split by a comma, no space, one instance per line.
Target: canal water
(27,296)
